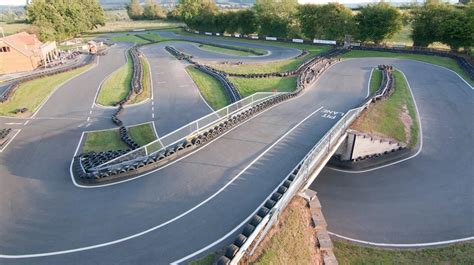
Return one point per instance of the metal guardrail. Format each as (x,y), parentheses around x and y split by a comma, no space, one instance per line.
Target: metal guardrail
(301,174)
(192,128)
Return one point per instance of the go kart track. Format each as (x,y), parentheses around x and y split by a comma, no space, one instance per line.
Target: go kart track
(199,202)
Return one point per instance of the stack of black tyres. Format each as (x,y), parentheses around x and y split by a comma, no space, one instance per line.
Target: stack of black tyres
(4,132)
(232,249)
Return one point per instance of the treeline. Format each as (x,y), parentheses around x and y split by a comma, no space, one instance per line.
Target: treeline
(374,23)
(63,19)
(149,11)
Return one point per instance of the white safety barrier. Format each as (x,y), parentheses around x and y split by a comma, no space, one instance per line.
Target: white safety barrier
(270,38)
(237,35)
(208,33)
(297,40)
(194,128)
(332,42)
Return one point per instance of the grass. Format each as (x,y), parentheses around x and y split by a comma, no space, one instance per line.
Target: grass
(129,25)
(206,260)
(211,89)
(146,94)
(129,38)
(153,36)
(248,86)
(12,28)
(110,139)
(349,254)
(375,80)
(103,141)
(31,94)
(292,241)
(224,50)
(384,116)
(142,134)
(437,60)
(117,85)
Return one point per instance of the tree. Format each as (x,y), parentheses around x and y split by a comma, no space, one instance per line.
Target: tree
(197,14)
(455,31)
(62,19)
(426,24)
(247,21)
(378,22)
(276,17)
(332,21)
(134,9)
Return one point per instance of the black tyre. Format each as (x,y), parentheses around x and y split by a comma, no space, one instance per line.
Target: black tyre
(231,250)
(248,230)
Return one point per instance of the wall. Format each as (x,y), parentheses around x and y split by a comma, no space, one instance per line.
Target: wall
(14,61)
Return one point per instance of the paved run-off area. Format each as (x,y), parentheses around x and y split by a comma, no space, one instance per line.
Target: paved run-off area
(178,210)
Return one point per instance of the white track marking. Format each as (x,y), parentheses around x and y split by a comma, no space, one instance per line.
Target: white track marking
(163,167)
(170,220)
(368,85)
(9,141)
(60,85)
(26,122)
(404,245)
(15,123)
(402,160)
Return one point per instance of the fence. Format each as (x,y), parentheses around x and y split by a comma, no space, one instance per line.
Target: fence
(192,128)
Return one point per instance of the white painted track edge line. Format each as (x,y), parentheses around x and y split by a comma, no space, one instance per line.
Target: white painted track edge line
(170,220)
(11,140)
(43,103)
(368,84)
(399,161)
(403,245)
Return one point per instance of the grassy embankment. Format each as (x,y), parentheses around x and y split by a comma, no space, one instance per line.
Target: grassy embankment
(31,94)
(293,243)
(211,89)
(129,38)
(375,80)
(394,117)
(110,139)
(437,60)
(232,50)
(117,85)
(248,86)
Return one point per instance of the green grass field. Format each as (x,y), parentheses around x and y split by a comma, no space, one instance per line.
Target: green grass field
(110,139)
(146,94)
(437,60)
(210,88)
(129,25)
(12,28)
(31,94)
(384,117)
(349,254)
(129,38)
(224,50)
(248,86)
(117,85)
(375,80)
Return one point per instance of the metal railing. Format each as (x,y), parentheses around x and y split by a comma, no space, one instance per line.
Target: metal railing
(323,148)
(193,128)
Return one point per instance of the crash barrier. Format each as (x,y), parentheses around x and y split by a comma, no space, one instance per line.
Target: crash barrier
(387,85)
(232,93)
(297,71)
(7,93)
(4,133)
(192,135)
(297,180)
(467,67)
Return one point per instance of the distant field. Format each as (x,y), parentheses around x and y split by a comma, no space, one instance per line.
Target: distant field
(129,25)
(129,38)
(13,28)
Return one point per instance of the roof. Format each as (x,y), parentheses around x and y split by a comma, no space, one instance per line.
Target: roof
(23,42)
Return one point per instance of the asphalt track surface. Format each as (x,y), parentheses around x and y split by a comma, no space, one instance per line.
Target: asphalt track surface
(180,209)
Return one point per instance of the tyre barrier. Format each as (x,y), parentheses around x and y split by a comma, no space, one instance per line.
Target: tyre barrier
(127,139)
(95,171)
(251,227)
(7,93)
(467,67)
(4,133)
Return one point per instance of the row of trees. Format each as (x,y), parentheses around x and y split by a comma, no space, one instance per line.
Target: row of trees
(63,19)
(149,11)
(373,23)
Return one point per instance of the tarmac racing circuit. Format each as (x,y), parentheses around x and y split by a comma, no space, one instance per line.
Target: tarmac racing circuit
(198,203)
